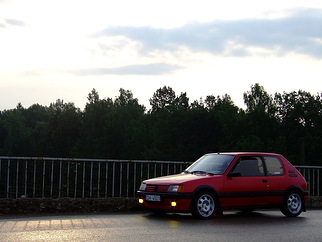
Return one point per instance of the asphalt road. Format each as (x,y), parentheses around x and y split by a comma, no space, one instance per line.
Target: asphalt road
(233,226)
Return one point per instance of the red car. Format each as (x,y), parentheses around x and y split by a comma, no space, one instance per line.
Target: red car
(222,181)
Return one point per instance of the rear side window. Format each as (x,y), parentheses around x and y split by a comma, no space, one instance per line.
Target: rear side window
(274,166)
(250,166)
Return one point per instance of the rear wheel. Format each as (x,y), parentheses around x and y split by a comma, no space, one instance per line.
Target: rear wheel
(293,204)
(204,205)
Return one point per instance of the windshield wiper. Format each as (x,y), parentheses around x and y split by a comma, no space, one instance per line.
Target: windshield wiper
(201,172)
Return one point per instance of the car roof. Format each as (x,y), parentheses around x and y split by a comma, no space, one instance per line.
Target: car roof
(246,153)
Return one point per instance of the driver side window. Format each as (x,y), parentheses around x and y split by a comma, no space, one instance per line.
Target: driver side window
(250,166)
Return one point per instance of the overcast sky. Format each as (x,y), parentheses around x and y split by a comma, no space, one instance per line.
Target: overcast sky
(62,49)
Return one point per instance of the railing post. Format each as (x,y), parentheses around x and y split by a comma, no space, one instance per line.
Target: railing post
(34,184)
(8,179)
(98,179)
(43,179)
(127,179)
(318,193)
(106,177)
(121,176)
(91,181)
(76,176)
(68,177)
(60,178)
(17,180)
(134,178)
(83,188)
(26,177)
(113,180)
(52,179)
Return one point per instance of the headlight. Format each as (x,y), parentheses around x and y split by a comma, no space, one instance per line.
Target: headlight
(175,188)
(142,187)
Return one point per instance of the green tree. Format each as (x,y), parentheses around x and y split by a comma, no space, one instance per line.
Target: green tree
(162,99)
(173,129)
(96,112)
(227,118)
(37,118)
(63,129)
(121,125)
(300,114)
(93,97)
(108,126)
(17,140)
(259,123)
(257,99)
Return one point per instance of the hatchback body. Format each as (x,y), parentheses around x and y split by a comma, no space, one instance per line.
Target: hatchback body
(222,181)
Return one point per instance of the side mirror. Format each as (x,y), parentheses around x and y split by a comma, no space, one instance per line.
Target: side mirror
(234,174)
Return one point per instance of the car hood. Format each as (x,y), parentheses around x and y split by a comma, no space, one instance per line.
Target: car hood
(177,179)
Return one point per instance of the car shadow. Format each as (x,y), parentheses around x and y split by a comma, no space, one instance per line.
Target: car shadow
(231,217)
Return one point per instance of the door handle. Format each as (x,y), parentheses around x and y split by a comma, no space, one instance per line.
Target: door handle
(264,180)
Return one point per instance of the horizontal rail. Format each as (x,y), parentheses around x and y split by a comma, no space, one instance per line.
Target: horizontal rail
(90,160)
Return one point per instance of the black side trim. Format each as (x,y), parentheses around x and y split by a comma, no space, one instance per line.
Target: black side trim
(251,194)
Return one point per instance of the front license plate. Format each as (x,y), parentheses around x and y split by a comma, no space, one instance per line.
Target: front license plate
(153,198)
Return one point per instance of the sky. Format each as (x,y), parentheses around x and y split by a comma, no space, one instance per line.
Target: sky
(62,49)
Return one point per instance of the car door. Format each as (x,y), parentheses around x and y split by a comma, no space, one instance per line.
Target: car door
(246,183)
(276,182)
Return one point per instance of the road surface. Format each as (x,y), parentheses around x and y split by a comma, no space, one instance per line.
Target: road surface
(233,226)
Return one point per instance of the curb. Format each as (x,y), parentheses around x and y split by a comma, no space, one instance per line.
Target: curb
(31,206)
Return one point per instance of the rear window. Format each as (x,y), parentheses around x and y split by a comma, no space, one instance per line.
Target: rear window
(274,166)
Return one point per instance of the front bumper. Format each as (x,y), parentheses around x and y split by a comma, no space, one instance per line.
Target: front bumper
(168,201)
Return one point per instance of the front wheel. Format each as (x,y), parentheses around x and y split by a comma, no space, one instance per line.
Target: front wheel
(293,204)
(204,205)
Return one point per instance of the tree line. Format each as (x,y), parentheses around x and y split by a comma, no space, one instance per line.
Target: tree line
(172,129)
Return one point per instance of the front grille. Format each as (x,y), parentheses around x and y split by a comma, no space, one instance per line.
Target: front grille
(162,188)
(150,188)
(156,188)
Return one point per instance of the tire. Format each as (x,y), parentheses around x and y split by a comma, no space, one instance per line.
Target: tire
(293,204)
(204,205)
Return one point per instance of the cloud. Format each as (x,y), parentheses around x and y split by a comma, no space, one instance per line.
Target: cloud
(15,22)
(141,69)
(5,22)
(300,32)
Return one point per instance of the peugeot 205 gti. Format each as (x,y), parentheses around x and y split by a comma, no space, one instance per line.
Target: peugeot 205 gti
(221,181)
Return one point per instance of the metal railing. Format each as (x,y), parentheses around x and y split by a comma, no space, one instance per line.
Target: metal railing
(78,178)
(313,176)
(96,178)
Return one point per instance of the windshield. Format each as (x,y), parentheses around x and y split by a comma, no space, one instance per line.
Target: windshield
(215,164)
